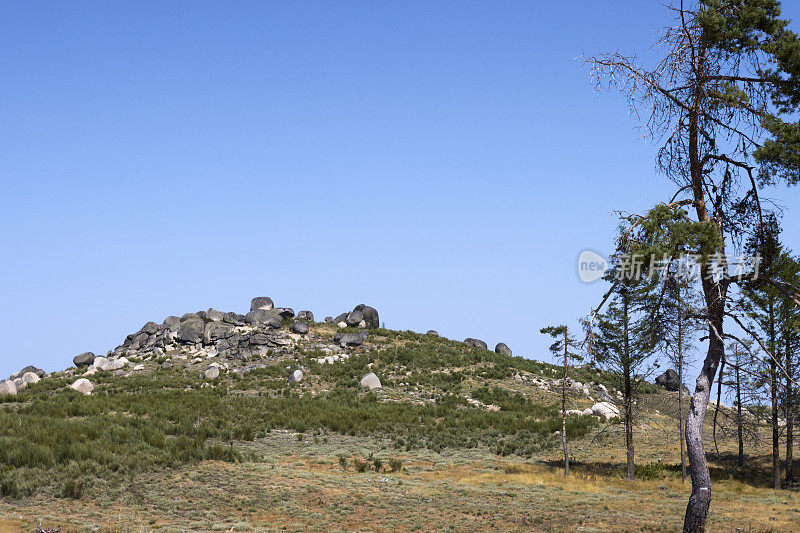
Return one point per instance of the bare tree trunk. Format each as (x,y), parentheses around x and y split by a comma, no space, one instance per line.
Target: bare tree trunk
(773,385)
(680,395)
(716,408)
(789,415)
(740,458)
(626,368)
(564,406)
(631,473)
(699,501)
(680,418)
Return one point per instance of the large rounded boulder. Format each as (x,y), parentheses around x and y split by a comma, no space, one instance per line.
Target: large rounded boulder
(502,349)
(84,359)
(477,343)
(83,385)
(262,302)
(7,388)
(371,381)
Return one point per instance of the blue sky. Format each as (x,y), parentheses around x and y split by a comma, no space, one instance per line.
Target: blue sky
(444,162)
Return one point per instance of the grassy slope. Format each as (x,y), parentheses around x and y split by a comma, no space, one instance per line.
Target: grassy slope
(164,450)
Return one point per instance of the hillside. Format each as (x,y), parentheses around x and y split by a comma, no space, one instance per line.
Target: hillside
(236,422)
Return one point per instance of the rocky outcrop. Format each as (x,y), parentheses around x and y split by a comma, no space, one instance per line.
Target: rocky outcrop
(669,380)
(38,371)
(362,316)
(301,328)
(432,333)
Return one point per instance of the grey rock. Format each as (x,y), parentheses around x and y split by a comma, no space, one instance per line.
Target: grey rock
(350,339)
(166,364)
(306,315)
(212,373)
(262,302)
(432,332)
(300,328)
(215,331)
(285,312)
(370,316)
(190,316)
(477,343)
(171,321)
(234,319)
(371,381)
(296,376)
(84,359)
(354,318)
(191,331)
(340,318)
(261,339)
(328,319)
(263,317)
(151,328)
(214,315)
(38,371)
(502,349)
(669,380)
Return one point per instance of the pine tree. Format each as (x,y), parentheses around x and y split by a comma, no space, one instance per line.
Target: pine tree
(562,347)
(623,345)
(723,96)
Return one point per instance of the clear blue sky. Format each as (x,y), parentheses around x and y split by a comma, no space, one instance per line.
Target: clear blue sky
(444,162)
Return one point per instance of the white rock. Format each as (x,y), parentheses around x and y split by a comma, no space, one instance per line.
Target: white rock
(83,385)
(296,376)
(574,412)
(112,365)
(605,409)
(371,381)
(91,372)
(20,384)
(342,324)
(138,368)
(99,362)
(30,378)
(13,376)
(7,388)
(587,412)
(212,373)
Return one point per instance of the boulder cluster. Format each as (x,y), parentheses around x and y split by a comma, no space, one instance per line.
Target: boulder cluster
(216,333)
(669,380)
(362,316)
